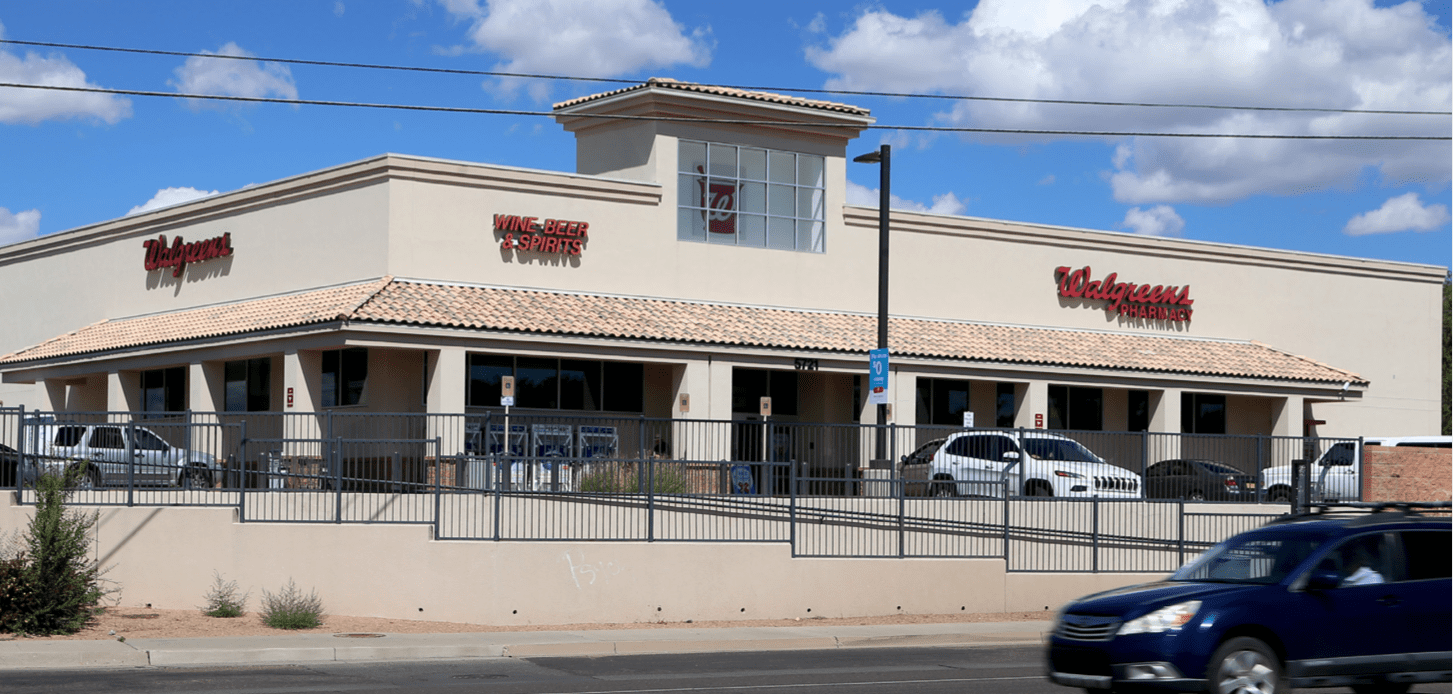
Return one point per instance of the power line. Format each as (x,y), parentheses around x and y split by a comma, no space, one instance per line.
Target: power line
(801,90)
(717,121)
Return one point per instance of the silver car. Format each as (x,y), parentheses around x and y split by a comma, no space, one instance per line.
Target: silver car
(117,455)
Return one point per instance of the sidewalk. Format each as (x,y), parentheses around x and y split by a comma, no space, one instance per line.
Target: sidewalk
(305,648)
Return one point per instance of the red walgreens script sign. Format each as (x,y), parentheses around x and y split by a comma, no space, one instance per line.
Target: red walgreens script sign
(1158,302)
(720,198)
(176,256)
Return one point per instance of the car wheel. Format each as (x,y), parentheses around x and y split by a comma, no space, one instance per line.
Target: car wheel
(196,477)
(1245,665)
(1196,495)
(1280,495)
(90,480)
(1382,688)
(1037,488)
(944,490)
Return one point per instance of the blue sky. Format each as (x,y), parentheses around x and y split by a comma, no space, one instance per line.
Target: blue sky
(74,159)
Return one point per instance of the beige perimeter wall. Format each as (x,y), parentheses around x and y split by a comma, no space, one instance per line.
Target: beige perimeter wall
(166,556)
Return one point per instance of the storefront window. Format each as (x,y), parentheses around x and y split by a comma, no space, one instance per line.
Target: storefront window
(164,390)
(749,386)
(345,371)
(1076,409)
(750,196)
(249,385)
(1004,405)
(942,401)
(1138,416)
(1203,413)
(558,384)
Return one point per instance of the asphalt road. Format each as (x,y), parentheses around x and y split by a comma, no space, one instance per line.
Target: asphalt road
(1015,670)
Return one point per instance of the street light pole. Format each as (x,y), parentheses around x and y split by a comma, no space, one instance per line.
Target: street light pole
(883,158)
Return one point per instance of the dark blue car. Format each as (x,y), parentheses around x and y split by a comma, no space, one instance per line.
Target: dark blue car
(1335,597)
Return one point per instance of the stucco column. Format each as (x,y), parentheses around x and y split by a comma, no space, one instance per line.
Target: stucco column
(691,399)
(447,378)
(123,391)
(1286,416)
(52,395)
(300,381)
(1165,410)
(1165,424)
(711,440)
(1031,399)
(205,387)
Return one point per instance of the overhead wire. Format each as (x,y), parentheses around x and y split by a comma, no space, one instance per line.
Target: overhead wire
(716,121)
(801,90)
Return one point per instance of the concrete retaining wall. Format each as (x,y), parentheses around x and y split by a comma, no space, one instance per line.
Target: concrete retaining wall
(165,557)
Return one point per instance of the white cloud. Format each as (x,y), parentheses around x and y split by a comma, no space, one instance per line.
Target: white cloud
(589,38)
(1324,53)
(1160,220)
(1046,181)
(21,226)
(946,203)
(338,9)
(230,77)
(1405,212)
(167,197)
(31,106)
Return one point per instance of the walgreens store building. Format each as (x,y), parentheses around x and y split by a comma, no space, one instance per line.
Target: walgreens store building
(686,270)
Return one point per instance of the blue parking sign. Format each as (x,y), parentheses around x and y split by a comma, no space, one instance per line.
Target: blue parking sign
(878,377)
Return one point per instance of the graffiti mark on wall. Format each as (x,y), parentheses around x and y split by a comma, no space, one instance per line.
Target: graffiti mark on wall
(586,573)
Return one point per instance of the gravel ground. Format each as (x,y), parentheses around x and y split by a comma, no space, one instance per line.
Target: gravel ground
(147,623)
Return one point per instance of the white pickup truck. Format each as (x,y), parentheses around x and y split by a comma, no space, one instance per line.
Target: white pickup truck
(1032,463)
(116,455)
(1337,474)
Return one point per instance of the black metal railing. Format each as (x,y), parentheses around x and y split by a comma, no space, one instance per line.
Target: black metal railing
(532,476)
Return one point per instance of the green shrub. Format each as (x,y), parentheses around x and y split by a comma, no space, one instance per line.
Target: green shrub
(17,593)
(223,599)
(290,609)
(50,585)
(624,478)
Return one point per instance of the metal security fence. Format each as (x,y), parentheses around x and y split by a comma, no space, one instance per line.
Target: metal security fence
(828,490)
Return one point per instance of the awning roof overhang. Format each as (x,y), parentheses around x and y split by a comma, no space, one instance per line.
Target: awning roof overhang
(662,322)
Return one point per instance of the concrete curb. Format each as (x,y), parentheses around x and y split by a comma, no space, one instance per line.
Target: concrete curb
(314,648)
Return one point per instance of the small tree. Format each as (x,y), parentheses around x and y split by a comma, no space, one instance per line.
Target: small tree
(52,586)
(225,599)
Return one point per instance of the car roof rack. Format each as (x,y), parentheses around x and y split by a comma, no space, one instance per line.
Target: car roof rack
(1364,512)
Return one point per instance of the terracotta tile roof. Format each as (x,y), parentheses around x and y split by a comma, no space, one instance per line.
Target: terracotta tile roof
(668,83)
(271,313)
(406,302)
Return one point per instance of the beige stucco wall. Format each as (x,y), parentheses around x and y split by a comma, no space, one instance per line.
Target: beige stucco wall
(431,219)
(166,556)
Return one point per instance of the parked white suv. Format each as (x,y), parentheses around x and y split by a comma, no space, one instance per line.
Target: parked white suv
(1337,474)
(115,453)
(1032,463)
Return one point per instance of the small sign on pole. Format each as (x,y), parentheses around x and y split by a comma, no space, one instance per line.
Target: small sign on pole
(878,377)
(968,419)
(507,391)
(766,406)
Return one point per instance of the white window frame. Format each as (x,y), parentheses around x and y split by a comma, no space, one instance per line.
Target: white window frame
(776,205)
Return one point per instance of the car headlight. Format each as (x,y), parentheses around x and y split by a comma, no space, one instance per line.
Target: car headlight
(1071,475)
(1162,620)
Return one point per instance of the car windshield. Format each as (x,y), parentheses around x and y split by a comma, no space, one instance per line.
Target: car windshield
(1254,559)
(1059,449)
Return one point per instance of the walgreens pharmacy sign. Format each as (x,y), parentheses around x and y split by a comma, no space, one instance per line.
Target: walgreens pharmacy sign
(1169,302)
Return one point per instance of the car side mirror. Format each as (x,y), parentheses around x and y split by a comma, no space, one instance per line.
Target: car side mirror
(1323,580)
(1011,455)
